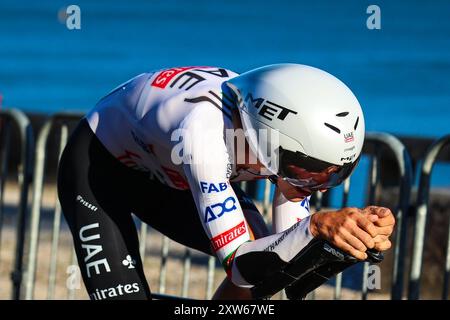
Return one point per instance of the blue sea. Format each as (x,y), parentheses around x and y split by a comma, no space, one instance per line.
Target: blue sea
(400,73)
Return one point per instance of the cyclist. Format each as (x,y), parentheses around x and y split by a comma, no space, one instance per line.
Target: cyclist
(165,146)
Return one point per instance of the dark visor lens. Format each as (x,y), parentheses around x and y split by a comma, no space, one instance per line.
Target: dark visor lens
(307,172)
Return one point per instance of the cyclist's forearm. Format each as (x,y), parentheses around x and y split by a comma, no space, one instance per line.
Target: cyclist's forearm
(254,260)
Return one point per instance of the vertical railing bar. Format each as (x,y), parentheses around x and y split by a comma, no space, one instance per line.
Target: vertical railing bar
(397,289)
(447,267)
(318,204)
(36,208)
(143,241)
(186,272)
(56,225)
(403,161)
(210,277)
(5,138)
(266,200)
(421,216)
(73,262)
(373,183)
(25,172)
(163,268)
(243,186)
(53,252)
(374,177)
(418,244)
(402,224)
(364,290)
(338,285)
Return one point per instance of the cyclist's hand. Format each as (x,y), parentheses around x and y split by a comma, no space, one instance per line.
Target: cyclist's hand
(384,220)
(348,229)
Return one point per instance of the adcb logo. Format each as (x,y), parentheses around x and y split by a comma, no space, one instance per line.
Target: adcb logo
(219,209)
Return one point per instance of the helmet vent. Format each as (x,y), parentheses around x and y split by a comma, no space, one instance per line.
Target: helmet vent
(356,123)
(342,114)
(332,127)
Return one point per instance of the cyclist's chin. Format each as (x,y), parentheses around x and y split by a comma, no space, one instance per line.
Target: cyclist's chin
(290,192)
(296,194)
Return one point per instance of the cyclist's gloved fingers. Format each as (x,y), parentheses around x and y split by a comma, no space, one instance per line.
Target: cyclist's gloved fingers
(343,245)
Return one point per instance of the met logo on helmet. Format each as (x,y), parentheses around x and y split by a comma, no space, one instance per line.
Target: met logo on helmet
(268,109)
(349,158)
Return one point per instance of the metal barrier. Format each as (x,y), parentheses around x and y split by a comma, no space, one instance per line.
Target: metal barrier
(24,174)
(62,120)
(403,161)
(421,220)
(39,168)
(377,140)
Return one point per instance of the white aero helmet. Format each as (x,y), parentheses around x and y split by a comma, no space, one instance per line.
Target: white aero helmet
(318,119)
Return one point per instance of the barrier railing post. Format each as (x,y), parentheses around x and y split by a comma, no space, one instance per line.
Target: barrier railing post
(25,170)
(56,226)
(338,285)
(36,208)
(266,203)
(373,183)
(143,240)
(38,180)
(404,165)
(73,261)
(4,157)
(210,277)
(447,266)
(186,273)
(163,268)
(421,219)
